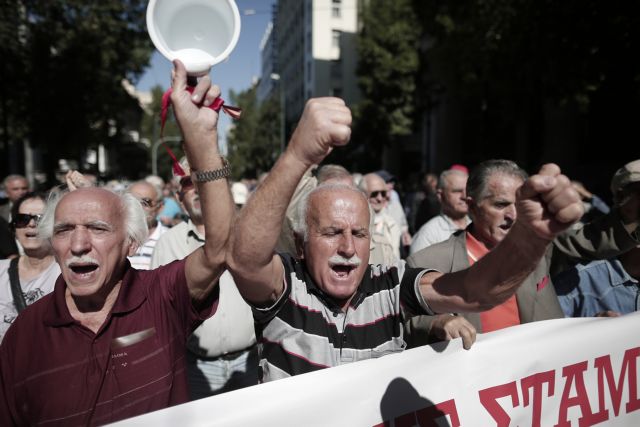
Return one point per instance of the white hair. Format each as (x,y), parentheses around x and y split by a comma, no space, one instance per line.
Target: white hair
(300,226)
(134,217)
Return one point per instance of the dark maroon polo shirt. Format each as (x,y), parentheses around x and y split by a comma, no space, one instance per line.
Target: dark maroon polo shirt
(55,371)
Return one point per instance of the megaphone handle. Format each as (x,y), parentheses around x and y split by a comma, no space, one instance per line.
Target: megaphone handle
(192,81)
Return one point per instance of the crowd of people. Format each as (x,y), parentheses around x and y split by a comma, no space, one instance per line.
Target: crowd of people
(137,296)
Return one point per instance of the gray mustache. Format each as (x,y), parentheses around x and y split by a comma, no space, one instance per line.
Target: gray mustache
(354,261)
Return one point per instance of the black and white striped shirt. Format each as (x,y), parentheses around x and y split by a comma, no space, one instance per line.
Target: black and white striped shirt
(305,330)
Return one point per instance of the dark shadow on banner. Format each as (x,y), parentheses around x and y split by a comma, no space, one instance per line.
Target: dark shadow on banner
(402,406)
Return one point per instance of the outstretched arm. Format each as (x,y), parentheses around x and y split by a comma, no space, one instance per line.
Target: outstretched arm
(198,124)
(547,204)
(257,270)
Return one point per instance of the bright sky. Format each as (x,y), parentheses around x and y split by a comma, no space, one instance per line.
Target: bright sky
(238,71)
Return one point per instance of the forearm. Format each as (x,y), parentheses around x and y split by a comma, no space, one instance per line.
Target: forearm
(605,237)
(215,200)
(491,280)
(256,230)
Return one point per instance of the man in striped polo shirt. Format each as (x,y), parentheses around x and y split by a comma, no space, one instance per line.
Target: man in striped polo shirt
(329,307)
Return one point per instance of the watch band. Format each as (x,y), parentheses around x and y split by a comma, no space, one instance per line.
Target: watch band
(204,176)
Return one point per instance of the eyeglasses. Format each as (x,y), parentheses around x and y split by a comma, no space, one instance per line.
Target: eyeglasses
(186,183)
(147,202)
(375,194)
(22,220)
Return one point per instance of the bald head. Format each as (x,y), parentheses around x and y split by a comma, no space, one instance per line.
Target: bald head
(319,200)
(120,209)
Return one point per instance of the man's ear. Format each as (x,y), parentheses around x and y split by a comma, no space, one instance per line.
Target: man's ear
(439,194)
(299,241)
(132,248)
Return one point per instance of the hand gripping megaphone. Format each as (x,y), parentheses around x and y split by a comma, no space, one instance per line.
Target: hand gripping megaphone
(200,33)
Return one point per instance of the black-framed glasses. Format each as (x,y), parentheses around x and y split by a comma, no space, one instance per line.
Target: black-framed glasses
(22,220)
(375,194)
(147,202)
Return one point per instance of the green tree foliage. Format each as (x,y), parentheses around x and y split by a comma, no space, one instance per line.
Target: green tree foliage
(387,67)
(254,140)
(509,63)
(68,58)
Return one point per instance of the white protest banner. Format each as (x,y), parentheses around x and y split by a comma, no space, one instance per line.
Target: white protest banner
(566,372)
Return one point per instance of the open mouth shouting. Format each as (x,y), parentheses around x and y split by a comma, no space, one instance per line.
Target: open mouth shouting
(343,267)
(82,268)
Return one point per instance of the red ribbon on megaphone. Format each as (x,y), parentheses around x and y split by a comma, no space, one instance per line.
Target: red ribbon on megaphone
(216,105)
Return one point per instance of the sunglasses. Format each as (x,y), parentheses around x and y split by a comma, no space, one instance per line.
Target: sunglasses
(22,220)
(375,194)
(186,183)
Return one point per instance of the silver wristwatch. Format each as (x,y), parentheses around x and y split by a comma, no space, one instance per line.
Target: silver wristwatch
(204,176)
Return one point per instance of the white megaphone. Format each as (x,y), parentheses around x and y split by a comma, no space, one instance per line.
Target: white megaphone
(200,33)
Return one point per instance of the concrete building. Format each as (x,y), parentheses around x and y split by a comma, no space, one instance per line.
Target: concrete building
(316,53)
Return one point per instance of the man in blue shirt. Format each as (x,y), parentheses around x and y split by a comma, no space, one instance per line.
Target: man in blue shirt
(607,287)
(601,288)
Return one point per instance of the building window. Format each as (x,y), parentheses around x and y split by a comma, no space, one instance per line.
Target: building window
(335,38)
(335,11)
(336,69)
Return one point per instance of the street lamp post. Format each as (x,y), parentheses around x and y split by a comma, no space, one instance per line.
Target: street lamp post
(154,151)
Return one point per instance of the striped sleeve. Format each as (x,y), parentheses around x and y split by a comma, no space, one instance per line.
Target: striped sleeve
(264,315)
(412,301)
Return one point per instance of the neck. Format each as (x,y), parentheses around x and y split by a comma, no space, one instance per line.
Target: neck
(487,243)
(36,262)
(199,227)
(458,219)
(30,266)
(631,262)
(91,311)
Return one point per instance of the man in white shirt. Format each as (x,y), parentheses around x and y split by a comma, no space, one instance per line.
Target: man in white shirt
(453,217)
(385,231)
(221,354)
(150,198)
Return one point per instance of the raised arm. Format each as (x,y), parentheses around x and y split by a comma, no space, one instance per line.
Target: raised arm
(257,270)
(547,204)
(198,124)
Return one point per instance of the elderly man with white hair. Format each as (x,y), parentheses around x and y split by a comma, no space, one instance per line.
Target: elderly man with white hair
(108,343)
(330,307)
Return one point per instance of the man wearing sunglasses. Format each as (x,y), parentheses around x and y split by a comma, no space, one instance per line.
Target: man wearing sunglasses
(221,353)
(385,231)
(108,343)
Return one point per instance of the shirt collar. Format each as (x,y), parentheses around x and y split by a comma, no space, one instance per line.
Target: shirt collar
(194,233)
(618,276)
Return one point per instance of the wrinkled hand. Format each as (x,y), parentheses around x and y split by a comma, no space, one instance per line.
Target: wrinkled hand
(75,180)
(197,122)
(447,327)
(547,203)
(608,313)
(406,238)
(325,123)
